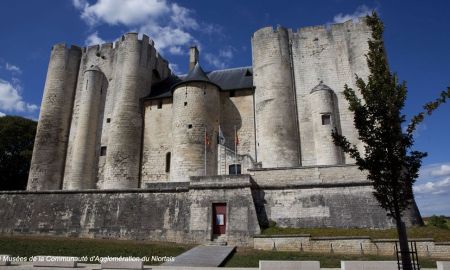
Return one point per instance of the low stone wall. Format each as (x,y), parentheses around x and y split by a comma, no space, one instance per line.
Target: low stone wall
(321,196)
(162,212)
(337,196)
(347,245)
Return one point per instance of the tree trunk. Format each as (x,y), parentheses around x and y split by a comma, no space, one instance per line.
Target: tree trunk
(403,240)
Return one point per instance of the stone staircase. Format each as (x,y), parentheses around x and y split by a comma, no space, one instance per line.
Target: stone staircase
(218,240)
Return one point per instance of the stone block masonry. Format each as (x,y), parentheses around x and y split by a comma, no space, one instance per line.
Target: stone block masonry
(359,245)
(183,212)
(126,149)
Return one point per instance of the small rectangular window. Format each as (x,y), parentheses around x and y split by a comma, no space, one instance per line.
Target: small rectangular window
(189,126)
(103,151)
(108,120)
(185,104)
(160,104)
(326,119)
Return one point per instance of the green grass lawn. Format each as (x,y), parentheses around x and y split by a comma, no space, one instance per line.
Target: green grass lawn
(438,234)
(245,257)
(32,246)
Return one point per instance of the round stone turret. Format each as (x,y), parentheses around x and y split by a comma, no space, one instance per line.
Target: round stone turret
(83,169)
(195,125)
(325,119)
(50,145)
(277,133)
(135,61)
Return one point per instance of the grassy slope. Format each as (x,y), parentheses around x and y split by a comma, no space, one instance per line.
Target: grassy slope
(438,234)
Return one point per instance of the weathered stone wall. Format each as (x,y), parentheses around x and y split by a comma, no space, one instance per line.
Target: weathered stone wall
(237,112)
(323,105)
(277,137)
(157,141)
(235,191)
(50,147)
(102,57)
(83,165)
(123,156)
(348,245)
(161,212)
(320,196)
(127,68)
(195,115)
(333,55)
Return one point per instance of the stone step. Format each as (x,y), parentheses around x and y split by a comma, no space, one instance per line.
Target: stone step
(202,256)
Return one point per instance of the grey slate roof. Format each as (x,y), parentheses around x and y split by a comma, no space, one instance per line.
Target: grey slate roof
(321,87)
(226,79)
(196,74)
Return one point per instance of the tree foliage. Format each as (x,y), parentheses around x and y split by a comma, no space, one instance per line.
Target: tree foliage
(388,157)
(438,221)
(391,163)
(16,146)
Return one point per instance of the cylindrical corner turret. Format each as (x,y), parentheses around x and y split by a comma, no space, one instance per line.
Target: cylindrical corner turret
(324,119)
(82,174)
(134,63)
(50,146)
(195,125)
(276,119)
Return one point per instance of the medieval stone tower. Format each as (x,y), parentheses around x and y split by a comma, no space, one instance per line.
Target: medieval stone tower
(92,96)
(126,149)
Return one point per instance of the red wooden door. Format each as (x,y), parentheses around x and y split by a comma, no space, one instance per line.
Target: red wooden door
(219,218)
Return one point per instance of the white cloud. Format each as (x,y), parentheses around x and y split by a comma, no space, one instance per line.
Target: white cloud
(2,114)
(177,50)
(130,12)
(167,36)
(168,24)
(174,68)
(443,169)
(215,61)
(222,58)
(94,39)
(181,16)
(360,11)
(79,3)
(11,99)
(432,189)
(226,53)
(12,68)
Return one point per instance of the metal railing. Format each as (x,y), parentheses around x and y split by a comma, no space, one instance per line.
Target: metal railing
(412,254)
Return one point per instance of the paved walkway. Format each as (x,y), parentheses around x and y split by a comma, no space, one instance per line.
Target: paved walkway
(202,256)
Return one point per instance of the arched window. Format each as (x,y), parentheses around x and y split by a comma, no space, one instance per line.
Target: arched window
(168,162)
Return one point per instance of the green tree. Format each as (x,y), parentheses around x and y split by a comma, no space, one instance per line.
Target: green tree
(16,146)
(388,158)
(438,221)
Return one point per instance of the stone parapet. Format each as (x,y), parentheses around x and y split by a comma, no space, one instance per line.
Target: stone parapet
(356,245)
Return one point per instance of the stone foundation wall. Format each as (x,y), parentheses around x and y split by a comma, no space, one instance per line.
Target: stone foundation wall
(320,196)
(169,212)
(348,245)
(182,212)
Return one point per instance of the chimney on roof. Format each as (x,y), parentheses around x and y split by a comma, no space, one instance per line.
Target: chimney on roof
(193,57)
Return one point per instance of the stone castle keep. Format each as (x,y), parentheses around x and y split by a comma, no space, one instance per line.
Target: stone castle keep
(126,149)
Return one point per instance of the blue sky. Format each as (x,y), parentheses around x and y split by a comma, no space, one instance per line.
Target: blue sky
(417,38)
